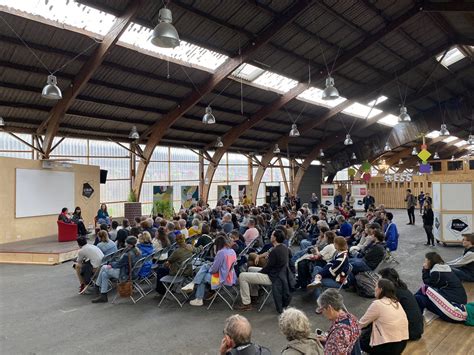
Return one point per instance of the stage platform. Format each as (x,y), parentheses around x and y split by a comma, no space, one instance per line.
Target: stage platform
(39,251)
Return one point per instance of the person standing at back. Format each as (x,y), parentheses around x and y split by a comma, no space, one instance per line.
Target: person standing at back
(428,220)
(314,203)
(421,201)
(368,200)
(410,199)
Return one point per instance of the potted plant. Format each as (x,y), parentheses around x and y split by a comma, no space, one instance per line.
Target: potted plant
(133,208)
(163,207)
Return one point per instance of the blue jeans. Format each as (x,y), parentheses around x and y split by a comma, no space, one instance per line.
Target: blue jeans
(326,282)
(463,275)
(305,244)
(298,255)
(105,274)
(358,265)
(202,278)
(105,220)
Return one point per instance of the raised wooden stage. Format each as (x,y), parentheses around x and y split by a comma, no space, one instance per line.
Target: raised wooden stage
(39,251)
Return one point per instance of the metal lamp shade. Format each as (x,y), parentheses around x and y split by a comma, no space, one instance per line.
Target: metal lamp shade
(353,156)
(51,91)
(2,122)
(321,153)
(443,131)
(436,155)
(387,147)
(219,143)
(414,151)
(348,140)
(134,133)
(208,117)
(404,116)
(400,162)
(164,34)
(294,131)
(276,149)
(470,140)
(330,92)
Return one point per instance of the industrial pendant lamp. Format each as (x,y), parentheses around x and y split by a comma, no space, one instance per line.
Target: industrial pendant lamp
(219,143)
(51,90)
(443,131)
(276,149)
(436,155)
(387,147)
(353,156)
(470,140)
(400,162)
(348,140)
(321,153)
(165,35)
(294,131)
(452,157)
(134,133)
(414,151)
(2,121)
(330,92)
(404,116)
(208,117)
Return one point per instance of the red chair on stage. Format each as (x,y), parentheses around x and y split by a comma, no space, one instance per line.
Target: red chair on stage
(67,232)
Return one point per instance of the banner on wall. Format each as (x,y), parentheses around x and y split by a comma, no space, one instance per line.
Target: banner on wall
(327,195)
(223,190)
(163,193)
(358,192)
(244,190)
(189,196)
(455,225)
(398,177)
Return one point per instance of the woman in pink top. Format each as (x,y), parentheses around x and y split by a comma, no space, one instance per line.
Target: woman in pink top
(385,324)
(251,233)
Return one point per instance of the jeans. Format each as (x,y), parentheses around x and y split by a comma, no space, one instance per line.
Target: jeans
(202,278)
(326,282)
(463,275)
(359,265)
(106,273)
(298,255)
(429,234)
(105,220)
(314,210)
(305,244)
(411,214)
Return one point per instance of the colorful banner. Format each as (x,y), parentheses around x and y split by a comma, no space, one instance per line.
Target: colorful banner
(162,199)
(223,190)
(189,196)
(244,190)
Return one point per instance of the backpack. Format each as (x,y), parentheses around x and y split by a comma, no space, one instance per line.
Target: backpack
(366,282)
(470,314)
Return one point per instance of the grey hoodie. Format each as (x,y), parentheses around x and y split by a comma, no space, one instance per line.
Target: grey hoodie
(308,346)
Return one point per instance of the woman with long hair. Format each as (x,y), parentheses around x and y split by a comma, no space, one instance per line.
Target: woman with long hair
(408,302)
(384,324)
(442,292)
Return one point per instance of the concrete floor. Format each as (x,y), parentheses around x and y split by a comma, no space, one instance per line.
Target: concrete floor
(41,313)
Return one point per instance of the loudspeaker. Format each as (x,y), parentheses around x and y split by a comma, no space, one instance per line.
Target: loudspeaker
(103,176)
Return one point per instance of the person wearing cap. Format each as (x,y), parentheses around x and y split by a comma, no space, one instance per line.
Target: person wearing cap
(117,269)
(217,273)
(172,265)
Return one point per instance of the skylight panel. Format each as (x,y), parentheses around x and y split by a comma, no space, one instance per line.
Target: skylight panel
(450,139)
(138,36)
(461,143)
(389,120)
(433,134)
(66,12)
(454,55)
(313,95)
(360,110)
(378,101)
(248,72)
(275,81)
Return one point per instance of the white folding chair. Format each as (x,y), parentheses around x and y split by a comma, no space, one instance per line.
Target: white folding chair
(176,281)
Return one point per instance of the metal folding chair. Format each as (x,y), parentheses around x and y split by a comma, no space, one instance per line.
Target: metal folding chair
(267,289)
(345,279)
(389,257)
(176,281)
(224,291)
(135,282)
(199,259)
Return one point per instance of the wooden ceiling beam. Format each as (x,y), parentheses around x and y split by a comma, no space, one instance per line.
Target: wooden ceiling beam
(51,124)
(448,6)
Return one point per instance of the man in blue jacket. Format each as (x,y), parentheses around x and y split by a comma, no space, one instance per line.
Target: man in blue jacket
(391,232)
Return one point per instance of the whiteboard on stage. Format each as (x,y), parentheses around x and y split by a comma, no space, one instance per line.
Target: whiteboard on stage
(43,192)
(456,196)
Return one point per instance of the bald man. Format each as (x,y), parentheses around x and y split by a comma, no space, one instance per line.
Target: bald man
(238,338)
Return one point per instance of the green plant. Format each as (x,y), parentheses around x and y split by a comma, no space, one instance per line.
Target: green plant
(163,207)
(132,197)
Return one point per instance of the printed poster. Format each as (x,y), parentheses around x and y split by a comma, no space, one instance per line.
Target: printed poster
(244,190)
(223,190)
(189,196)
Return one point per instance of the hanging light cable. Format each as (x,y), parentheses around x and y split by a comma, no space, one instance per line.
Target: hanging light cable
(403,117)
(330,92)
(164,35)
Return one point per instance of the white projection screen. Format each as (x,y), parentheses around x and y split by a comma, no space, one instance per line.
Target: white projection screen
(43,192)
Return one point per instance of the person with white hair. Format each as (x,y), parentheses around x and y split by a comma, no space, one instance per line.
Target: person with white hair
(227,224)
(238,338)
(182,228)
(294,324)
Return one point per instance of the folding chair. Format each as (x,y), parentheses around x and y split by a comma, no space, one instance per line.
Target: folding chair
(199,259)
(105,260)
(222,291)
(389,258)
(176,281)
(148,278)
(135,282)
(267,289)
(345,279)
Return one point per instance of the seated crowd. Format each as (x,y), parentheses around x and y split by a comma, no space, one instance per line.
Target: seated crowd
(278,250)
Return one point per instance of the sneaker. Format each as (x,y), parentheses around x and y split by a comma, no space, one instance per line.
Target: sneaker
(188,288)
(314,284)
(196,302)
